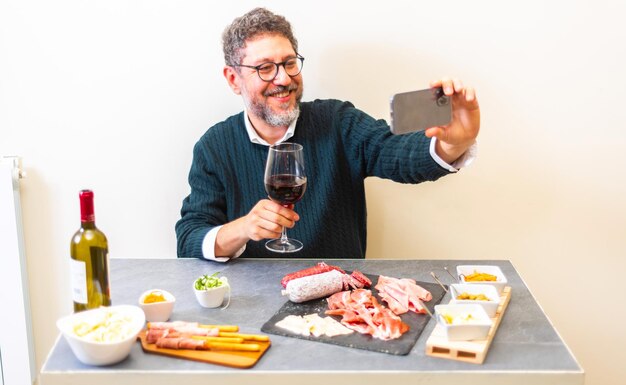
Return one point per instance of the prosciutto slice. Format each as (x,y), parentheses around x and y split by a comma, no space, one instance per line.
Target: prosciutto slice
(361,312)
(172,324)
(179,331)
(402,294)
(154,335)
(181,343)
(178,335)
(181,328)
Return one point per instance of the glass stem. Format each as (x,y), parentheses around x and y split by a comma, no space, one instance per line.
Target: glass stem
(283,236)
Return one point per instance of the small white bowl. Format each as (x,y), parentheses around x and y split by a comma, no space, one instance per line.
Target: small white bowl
(214,297)
(490,306)
(463,271)
(157,311)
(95,348)
(476,329)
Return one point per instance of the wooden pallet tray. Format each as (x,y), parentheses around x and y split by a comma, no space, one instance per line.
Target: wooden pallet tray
(475,351)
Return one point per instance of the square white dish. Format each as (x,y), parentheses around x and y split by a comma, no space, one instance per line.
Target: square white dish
(463,271)
(489,291)
(469,322)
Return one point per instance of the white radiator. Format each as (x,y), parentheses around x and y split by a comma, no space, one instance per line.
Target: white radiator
(17,357)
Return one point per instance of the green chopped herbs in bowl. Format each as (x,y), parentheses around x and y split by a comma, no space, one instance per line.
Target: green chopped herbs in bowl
(209,281)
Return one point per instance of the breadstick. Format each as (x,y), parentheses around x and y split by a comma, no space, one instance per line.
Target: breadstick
(222,328)
(233,340)
(247,337)
(231,346)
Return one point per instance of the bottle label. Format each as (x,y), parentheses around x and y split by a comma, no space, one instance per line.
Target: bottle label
(79,281)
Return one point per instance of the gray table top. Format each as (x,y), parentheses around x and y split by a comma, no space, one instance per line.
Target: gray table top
(525,342)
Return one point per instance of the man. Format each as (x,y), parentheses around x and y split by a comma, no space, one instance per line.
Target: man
(227,213)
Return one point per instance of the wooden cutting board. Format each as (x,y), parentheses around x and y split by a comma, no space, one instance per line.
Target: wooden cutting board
(233,359)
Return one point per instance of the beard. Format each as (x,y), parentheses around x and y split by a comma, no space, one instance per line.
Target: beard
(282,118)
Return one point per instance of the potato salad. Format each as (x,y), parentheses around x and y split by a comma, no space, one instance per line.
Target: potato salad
(104,326)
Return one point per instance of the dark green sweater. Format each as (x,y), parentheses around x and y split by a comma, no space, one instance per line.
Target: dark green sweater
(342,146)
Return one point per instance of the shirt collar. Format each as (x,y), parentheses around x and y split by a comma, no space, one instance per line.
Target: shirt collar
(254,136)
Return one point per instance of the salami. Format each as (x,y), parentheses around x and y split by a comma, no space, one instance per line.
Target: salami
(314,286)
(317,269)
(361,278)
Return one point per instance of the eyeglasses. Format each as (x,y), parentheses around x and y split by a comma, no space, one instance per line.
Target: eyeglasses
(268,71)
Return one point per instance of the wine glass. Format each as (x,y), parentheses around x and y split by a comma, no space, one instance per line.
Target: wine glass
(285,183)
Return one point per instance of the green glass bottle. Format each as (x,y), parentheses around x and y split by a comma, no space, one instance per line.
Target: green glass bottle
(90,260)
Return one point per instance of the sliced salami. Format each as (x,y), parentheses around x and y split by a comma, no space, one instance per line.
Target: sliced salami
(361,278)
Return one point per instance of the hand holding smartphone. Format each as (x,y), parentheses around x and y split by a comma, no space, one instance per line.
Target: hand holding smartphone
(419,110)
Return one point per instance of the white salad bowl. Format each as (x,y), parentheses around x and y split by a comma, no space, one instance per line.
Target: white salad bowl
(490,306)
(500,283)
(213,297)
(470,322)
(102,336)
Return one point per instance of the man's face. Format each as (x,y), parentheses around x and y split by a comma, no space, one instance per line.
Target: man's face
(275,102)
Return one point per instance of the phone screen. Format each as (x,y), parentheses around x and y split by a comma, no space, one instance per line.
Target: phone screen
(419,110)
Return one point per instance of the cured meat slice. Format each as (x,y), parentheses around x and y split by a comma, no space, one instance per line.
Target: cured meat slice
(181,327)
(181,343)
(361,278)
(190,343)
(402,295)
(171,325)
(338,300)
(168,343)
(349,282)
(362,312)
(154,334)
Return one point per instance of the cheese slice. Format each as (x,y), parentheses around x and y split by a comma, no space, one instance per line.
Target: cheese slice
(313,324)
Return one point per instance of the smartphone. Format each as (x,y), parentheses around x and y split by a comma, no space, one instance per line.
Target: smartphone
(419,110)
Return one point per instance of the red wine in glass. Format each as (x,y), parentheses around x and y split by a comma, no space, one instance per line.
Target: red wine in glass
(285,183)
(285,189)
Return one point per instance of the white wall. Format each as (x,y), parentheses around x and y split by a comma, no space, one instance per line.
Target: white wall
(113,94)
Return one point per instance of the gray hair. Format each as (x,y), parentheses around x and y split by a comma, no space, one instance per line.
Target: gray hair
(259,21)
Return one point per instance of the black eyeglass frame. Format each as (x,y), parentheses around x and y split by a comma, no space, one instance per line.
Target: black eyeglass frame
(276,67)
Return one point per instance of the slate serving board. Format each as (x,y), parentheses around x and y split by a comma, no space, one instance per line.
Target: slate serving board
(399,346)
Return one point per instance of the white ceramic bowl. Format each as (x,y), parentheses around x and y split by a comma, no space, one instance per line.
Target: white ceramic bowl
(214,297)
(463,271)
(96,348)
(157,311)
(490,306)
(476,329)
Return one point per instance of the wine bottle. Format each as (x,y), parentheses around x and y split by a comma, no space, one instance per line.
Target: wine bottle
(90,260)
